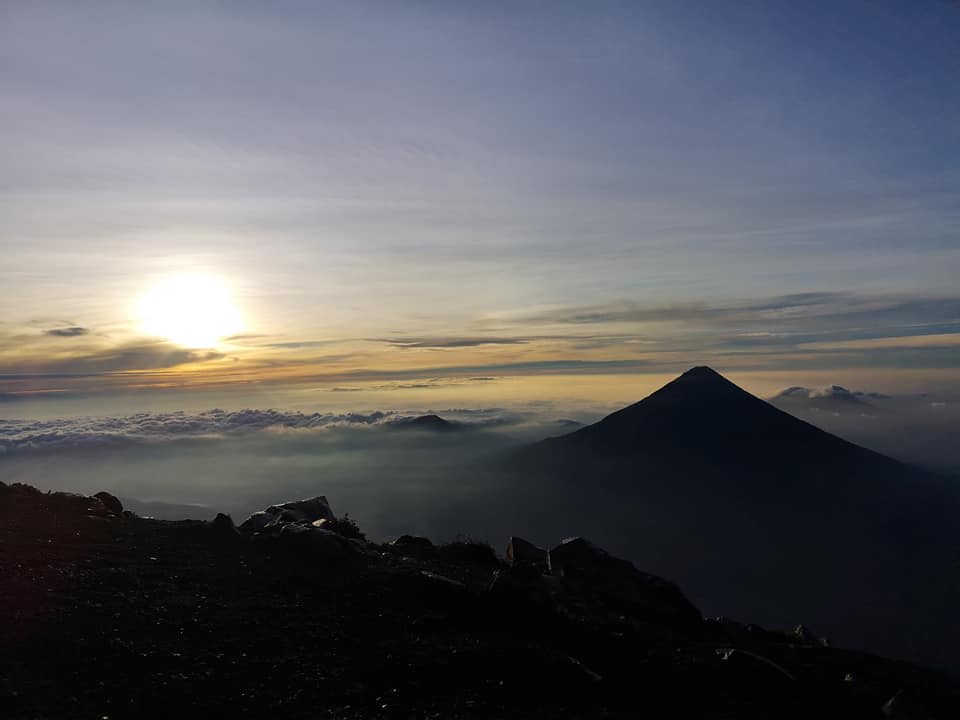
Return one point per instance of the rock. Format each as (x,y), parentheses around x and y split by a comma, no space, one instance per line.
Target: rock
(905,706)
(222,526)
(617,586)
(318,542)
(110,502)
(413,540)
(595,677)
(299,512)
(522,552)
(805,635)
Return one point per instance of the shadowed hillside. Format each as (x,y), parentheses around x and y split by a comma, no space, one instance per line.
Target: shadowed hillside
(297,614)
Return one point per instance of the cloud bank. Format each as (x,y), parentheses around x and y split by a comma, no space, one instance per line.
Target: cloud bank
(24,436)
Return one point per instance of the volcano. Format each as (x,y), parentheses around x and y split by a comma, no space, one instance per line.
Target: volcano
(751,509)
(703,421)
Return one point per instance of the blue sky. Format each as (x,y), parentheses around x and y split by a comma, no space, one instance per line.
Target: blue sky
(399,188)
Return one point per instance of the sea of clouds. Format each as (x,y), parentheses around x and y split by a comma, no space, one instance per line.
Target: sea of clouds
(18,436)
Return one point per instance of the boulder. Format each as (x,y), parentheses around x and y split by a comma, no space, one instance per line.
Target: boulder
(522,552)
(299,512)
(223,527)
(616,586)
(110,502)
(318,543)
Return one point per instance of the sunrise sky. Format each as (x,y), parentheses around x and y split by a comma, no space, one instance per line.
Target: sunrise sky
(477,200)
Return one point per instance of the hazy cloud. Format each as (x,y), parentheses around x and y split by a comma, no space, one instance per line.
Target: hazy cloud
(452,342)
(833,391)
(67,332)
(917,428)
(618,312)
(127,357)
(809,314)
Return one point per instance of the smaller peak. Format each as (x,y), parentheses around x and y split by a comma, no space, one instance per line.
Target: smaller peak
(425,422)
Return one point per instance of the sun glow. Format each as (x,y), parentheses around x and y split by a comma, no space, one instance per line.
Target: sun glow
(194,310)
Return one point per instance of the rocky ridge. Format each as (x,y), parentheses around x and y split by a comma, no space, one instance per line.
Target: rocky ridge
(113,615)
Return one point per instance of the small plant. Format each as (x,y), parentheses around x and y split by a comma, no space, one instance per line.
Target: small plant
(345,526)
(470,550)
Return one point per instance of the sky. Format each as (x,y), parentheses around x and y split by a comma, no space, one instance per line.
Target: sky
(385,204)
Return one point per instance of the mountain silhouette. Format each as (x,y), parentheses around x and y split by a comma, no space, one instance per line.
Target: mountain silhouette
(431,423)
(753,509)
(704,433)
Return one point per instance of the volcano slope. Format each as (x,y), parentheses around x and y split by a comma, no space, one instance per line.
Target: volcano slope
(759,514)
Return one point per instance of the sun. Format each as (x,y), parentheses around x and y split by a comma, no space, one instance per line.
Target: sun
(194,310)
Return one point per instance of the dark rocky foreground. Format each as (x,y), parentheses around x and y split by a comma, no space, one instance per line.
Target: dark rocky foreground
(104,614)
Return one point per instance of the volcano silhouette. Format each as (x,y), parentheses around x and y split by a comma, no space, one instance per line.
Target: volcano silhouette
(763,515)
(703,434)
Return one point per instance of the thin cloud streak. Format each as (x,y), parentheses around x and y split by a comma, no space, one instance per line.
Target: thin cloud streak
(67,332)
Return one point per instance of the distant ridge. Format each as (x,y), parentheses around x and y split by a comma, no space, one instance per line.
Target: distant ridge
(431,422)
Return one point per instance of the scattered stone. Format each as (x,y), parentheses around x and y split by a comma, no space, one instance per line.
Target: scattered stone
(752,663)
(584,669)
(413,540)
(905,706)
(522,552)
(110,502)
(299,512)
(8,693)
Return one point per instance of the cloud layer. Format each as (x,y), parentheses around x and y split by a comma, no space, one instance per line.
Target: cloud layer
(77,433)
(17,436)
